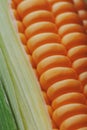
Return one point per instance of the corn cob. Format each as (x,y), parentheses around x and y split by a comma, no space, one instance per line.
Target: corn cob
(38,50)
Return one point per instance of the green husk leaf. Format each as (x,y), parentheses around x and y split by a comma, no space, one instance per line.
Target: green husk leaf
(9,89)
(26,86)
(7,121)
